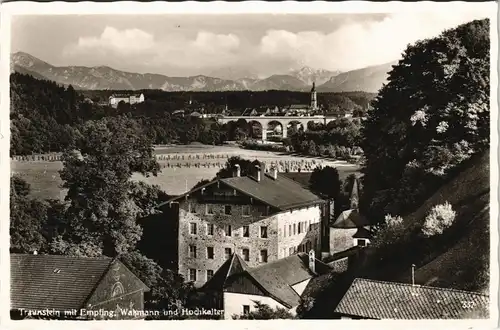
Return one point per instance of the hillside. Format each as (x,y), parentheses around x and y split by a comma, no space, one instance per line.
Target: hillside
(459,260)
(368,79)
(106,78)
(462,264)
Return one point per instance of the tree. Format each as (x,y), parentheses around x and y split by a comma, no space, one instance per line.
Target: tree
(325,181)
(432,115)
(265,312)
(102,212)
(246,167)
(168,291)
(438,220)
(27,219)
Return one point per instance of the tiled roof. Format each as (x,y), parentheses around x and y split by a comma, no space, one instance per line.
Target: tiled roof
(278,277)
(282,193)
(362,233)
(390,300)
(350,219)
(299,106)
(53,281)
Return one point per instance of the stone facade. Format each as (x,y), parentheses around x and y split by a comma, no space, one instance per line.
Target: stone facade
(197,216)
(291,240)
(341,239)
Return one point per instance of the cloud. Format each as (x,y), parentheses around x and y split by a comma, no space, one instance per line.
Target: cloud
(127,41)
(206,41)
(132,46)
(358,44)
(343,43)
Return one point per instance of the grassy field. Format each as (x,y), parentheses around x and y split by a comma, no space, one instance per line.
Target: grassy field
(176,177)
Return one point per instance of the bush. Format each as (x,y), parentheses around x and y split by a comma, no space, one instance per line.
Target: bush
(439,218)
(265,312)
(390,232)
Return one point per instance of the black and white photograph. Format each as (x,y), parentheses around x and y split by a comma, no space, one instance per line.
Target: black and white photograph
(327,162)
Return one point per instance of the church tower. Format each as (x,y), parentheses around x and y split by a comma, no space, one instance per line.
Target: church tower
(314,100)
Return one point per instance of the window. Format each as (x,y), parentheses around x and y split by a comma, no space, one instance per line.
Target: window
(361,242)
(192,251)
(193,209)
(209,209)
(246,254)
(245,210)
(227,230)
(190,208)
(192,275)
(210,229)
(210,252)
(263,255)
(228,252)
(289,230)
(246,231)
(264,210)
(294,229)
(246,309)
(284,231)
(308,246)
(300,228)
(227,209)
(192,228)
(210,274)
(263,232)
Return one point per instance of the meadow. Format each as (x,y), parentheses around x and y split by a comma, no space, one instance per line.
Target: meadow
(181,168)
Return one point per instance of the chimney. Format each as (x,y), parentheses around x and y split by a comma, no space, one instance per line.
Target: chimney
(237,171)
(257,173)
(413,274)
(274,172)
(312,261)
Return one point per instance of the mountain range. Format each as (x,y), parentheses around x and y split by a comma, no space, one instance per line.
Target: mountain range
(368,79)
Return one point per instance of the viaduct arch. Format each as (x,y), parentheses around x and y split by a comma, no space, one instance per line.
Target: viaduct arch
(285,121)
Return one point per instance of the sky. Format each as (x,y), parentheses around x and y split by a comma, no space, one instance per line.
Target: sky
(261,44)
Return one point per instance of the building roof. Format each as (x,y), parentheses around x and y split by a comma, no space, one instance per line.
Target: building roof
(362,233)
(389,300)
(36,282)
(55,281)
(299,106)
(278,277)
(350,219)
(282,193)
(275,278)
(232,266)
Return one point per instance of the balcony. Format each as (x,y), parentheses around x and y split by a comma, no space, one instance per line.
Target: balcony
(225,199)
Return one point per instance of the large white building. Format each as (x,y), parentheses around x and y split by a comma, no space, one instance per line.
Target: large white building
(262,216)
(115,99)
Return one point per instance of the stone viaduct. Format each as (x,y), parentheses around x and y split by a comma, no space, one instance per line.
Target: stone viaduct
(284,121)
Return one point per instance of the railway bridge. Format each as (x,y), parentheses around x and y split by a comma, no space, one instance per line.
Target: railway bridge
(269,123)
